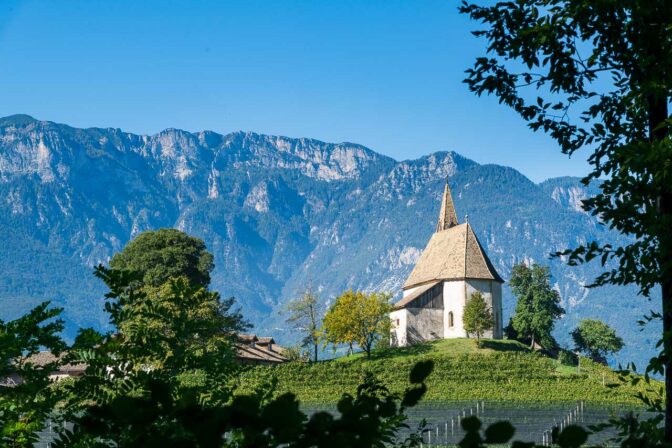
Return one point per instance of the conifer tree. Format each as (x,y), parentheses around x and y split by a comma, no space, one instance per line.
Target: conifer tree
(477,317)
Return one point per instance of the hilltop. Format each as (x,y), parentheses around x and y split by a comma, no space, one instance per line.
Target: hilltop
(500,371)
(277,213)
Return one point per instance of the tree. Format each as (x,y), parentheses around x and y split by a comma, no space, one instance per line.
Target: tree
(358,318)
(158,255)
(306,315)
(373,417)
(164,378)
(596,76)
(173,346)
(538,305)
(477,316)
(596,339)
(27,401)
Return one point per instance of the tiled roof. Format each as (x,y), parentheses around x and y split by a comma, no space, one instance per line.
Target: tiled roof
(414,295)
(452,253)
(251,348)
(43,358)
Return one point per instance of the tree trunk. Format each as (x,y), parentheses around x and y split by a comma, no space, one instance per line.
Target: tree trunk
(667,347)
(658,113)
(666,287)
(532,343)
(315,353)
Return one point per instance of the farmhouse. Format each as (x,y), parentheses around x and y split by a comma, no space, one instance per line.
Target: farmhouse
(451,268)
(251,349)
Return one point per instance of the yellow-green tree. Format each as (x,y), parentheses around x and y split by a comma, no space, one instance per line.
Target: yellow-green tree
(358,318)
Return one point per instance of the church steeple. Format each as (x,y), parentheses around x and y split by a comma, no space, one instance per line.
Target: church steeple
(447,216)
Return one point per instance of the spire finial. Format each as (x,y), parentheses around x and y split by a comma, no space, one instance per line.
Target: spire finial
(447,215)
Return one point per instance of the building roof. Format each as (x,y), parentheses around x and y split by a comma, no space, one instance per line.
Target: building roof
(447,215)
(251,348)
(452,253)
(44,358)
(414,295)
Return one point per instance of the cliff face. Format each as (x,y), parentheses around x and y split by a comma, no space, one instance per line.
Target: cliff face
(278,214)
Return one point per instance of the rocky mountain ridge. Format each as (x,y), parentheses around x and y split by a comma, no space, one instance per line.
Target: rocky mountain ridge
(278,213)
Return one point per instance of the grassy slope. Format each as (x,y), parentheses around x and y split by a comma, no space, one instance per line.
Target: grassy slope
(501,370)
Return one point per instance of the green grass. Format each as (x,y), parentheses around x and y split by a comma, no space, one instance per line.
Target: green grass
(442,347)
(499,371)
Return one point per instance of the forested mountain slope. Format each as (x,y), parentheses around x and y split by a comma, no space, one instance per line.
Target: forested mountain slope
(278,213)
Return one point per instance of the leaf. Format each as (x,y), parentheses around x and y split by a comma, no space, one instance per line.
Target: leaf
(499,432)
(572,437)
(518,444)
(421,371)
(412,396)
(471,424)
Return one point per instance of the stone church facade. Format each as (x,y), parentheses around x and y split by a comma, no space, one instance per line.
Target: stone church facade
(451,268)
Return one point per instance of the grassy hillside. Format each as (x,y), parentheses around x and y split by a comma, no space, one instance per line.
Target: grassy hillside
(500,371)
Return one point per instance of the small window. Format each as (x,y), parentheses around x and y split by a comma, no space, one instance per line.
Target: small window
(450,320)
(397,322)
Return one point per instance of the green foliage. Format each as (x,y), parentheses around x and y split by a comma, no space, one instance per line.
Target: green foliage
(165,379)
(596,339)
(538,305)
(149,415)
(158,255)
(605,64)
(25,405)
(567,358)
(172,354)
(358,318)
(296,353)
(306,316)
(477,316)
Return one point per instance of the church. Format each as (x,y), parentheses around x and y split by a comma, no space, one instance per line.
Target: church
(451,268)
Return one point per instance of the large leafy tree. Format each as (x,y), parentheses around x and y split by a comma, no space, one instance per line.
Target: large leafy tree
(173,349)
(358,318)
(26,398)
(172,343)
(596,338)
(597,75)
(537,306)
(477,316)
(158,255)
(305,315)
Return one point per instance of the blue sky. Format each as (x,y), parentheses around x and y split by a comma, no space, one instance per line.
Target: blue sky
(386,74)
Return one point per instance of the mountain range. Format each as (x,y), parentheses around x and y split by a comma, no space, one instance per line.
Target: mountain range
(279,214)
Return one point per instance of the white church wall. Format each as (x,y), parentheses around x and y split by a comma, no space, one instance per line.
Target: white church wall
(423,324)
(492,292)
(453,302)
(399,326)
(497,305)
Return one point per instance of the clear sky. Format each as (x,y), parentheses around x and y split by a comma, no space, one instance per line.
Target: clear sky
(386,74)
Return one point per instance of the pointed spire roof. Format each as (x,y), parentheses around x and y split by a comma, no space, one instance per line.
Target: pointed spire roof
(447,215)
(453,252)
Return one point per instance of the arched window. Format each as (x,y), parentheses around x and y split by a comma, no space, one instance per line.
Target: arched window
(450,320)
